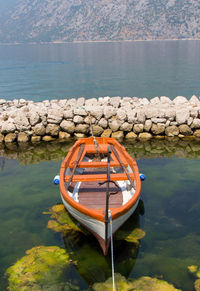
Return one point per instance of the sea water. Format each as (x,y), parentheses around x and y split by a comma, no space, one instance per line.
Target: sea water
(143,69)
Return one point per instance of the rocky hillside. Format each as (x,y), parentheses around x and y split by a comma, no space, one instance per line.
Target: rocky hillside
(86,20)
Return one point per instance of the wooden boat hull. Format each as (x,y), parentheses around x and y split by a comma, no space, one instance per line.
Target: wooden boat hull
(92,215)
(98,227)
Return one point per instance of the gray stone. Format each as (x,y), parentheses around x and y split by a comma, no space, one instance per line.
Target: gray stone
(62,103)
(10,137)
(106,133)
(172,131)
(97,130)
(194,100)
(52,129)
(35,138)
(158,128)
(145,136)
(185,129)
(68,126)
(34,118)
(91,102)
(147,125)
(141,116)
(180,100)
(79,135)
(48,138)
(71,102)
(144,101)
(195,123)
(189,121)
(22,137)
(131,116)
(158,120)
(54,116)
(80,101)
(121,114)
(151,112)
(173,123)
(126,126)
(114,125)
(137,128)
(97,112)
(80,111)
(39,129)
(1,138)
(115,101)
(64,135)
(109,111)
(82,128)
(68,114)
(103,123)
(165,100)
(197,133)
(194,112)
(21,122)
(90,119)
(78,119)
(2,101)
(155,100)
(170,113)
(118,135)
(131,135)
(7,126)
(182,116)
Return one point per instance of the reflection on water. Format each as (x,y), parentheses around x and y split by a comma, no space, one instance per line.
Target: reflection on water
(166,148)
(171,220)
(92,265)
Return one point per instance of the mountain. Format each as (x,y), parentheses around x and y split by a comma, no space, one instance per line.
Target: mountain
(99,20)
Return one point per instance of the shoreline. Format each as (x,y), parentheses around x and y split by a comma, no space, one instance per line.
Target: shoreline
(131,118)
(101,41)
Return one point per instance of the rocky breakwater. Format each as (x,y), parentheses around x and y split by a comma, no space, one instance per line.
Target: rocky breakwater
(128,117)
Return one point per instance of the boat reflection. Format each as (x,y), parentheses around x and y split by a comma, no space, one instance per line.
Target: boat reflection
(89,261)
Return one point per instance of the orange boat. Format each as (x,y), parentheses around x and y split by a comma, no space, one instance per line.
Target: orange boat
(100,186)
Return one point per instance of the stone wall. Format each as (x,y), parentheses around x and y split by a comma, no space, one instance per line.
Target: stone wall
(129,117)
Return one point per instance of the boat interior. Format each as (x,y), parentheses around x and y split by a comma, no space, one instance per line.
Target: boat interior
(89,186)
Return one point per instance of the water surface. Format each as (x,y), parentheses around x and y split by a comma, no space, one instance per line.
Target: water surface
(171,213)
(142,69)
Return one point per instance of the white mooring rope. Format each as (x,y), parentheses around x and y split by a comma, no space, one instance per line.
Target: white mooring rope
(112,252)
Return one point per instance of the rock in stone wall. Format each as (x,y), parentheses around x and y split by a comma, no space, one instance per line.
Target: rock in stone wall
(128,117)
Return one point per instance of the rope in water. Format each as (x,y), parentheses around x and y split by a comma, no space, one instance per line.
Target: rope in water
(112,252)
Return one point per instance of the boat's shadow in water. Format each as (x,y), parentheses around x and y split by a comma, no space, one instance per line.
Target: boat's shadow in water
(89,260)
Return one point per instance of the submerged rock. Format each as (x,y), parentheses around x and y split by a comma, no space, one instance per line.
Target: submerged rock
(132,237)
(195,270)
(61,221)
(141,284)
(42,268)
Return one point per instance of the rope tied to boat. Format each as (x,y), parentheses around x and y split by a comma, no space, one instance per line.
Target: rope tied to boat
(112,252)
(94,138)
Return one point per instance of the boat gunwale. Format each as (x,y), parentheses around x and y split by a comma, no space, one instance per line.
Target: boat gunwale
(99,214)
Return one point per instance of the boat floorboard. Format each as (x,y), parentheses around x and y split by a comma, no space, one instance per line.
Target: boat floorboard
(92,195)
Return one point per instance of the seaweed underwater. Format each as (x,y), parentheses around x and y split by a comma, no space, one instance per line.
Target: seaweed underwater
(170,222)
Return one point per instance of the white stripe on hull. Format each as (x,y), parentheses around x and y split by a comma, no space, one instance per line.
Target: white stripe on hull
(95,225)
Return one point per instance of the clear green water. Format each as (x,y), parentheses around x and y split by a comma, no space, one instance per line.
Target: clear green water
(171,220)
(55,71)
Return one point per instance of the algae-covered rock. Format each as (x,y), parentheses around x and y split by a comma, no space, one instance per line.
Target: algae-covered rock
(61,221)
(197,285)
(195,270)
(132,237)
(141,284)
(42,268)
